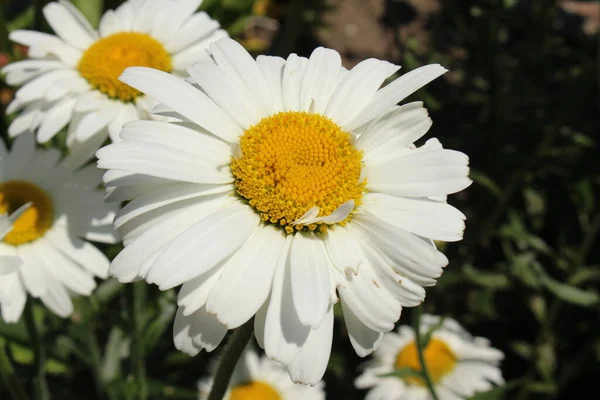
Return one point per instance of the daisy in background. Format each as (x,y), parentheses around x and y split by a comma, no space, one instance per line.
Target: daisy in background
(47,211)
(257,378)
(459,365)
(71,78)
(288,185)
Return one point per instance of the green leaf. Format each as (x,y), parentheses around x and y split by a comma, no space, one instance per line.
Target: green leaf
(570,294)
(21,21)
(116,347)
(481,179)
(91,9)
(485,278)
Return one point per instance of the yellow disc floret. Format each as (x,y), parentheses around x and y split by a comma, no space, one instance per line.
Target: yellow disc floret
(293,161)
(440,360)
(35,221)
(255,390)
(104,61)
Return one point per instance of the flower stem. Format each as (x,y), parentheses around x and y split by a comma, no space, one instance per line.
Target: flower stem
(419,342)
(39,382)
(8,377)
(138,300)
(233,350)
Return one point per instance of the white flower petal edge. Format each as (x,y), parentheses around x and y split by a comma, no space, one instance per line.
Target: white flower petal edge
(186,223)
(476,366)
(55,94)
(256,376)
(60,262)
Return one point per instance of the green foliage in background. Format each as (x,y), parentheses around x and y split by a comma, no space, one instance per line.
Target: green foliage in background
(522,101)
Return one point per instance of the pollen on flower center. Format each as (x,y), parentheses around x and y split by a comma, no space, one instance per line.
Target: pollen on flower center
(255,390)
(104,61)
(440,360)
(294,161)
(35,221)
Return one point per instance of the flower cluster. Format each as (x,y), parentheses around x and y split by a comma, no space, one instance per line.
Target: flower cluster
(269,190)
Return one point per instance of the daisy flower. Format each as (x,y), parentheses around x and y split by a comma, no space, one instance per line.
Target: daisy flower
(71,78)
(47,210)
(262,379)
(286,186)
(459,365)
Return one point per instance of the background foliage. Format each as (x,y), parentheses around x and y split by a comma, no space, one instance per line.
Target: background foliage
(522,100)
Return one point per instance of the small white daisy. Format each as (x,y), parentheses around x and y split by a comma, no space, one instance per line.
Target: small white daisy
(459,365)
(71,78)
(286,184)
(47,211)
(257,378)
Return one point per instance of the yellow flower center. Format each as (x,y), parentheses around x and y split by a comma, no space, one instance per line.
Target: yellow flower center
(440,360)
(104,61)
(255,390)
(293,161)
(35,221)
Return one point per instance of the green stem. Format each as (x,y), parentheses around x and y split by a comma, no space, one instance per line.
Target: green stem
(8,377)
(418,341)
(139,298)
(233,350)
(39,382)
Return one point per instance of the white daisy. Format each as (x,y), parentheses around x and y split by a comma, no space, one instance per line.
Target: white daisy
(257,378)
(71,78)
(459,365)
(48,210)
(286,184)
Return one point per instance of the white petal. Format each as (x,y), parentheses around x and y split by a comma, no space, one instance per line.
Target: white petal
(182,337)
(194,293)
(67,25)
(203,245)
(357,88)
(56,297)
(206,331)
(36,88)
(56,119)
(13,304)
(230,55)
(247,277)
(363,339)
(421,216)
(195,28)
(395,92)
(42,44)
(343,250)
(272,70)
(183,98)
(284,334)
(309,365)
(310,278)
(320,79)
(291,81)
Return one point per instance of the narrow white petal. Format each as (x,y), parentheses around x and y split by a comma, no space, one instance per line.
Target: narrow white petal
(284,334)
(56,119)
(343,250)
(67,25)
(363,339)
(320,79)
(272,70)
(293,72)
(183,98)
(247,278)
(309,366)
(310,278)
(203,245)
(395,92)
(357,88)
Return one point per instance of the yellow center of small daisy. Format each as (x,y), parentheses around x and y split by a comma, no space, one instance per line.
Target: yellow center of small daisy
(35,221)
(255,390)
(293,161)
(440,360)
(104,61)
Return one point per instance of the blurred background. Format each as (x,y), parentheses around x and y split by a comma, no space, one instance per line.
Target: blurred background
(522,99)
